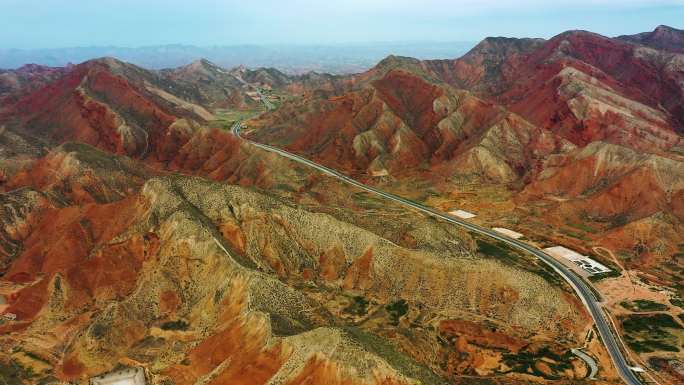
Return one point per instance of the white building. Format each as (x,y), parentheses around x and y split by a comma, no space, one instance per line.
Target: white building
(507,232)
(128,376)
(585,263)
(462,214)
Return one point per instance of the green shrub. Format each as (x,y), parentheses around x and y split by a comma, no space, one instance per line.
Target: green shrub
(649,323)
(643,305)
(397,310)
(175,325)
(677,302)
(359,306)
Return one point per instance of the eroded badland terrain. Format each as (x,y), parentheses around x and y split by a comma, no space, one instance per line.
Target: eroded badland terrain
(138,231)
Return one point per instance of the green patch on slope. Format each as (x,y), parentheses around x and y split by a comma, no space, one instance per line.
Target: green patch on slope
(650,333)
(358,306)
(526,362)
(400,361)
(226,118)
(643,305)
(511,257)
(397,310)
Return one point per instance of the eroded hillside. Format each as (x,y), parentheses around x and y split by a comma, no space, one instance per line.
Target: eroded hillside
(135,235)
(574,141)
(171,272)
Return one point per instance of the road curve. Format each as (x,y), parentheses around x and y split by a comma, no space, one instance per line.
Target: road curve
(581,288)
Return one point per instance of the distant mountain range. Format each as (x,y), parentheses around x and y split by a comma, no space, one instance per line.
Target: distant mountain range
(336,59)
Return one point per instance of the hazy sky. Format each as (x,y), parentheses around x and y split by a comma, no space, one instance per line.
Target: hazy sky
(133,23)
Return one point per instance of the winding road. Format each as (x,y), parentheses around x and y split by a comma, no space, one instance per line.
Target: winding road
(581,288)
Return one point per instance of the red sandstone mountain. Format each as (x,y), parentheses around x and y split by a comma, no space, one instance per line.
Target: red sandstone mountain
(484,67)
(105,103)
(589,121)
(15,83)
(209,85)
(663,37)
(159,242)
(400,122)
(107,262)
(580,85)
(632,199)
(122,109)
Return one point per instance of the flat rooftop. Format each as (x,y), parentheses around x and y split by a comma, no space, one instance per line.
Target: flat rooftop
(508,232)
(588,265)
(462,214)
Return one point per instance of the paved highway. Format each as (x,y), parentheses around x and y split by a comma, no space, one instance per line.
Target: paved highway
(593,367)
(580,287)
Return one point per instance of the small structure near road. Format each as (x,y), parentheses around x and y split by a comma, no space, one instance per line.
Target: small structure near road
(9,317)
(462,214)
(379,173)
(128,376)
(507,232)
(580,263)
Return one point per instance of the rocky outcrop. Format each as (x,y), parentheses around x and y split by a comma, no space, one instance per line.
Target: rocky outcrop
(541,80)
(134,279)
(403,123)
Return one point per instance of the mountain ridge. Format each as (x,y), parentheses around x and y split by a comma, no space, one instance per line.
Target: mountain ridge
(137,230)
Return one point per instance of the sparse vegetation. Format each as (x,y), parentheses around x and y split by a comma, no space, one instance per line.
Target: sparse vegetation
(643,305)
(34,356)
(495,249)
(678,255)
(582,226)
(98,330)
(678,150)
(175,325)
(507,255)
(618,220)
(367,200)
(284,187)
(226,118)
(403,363)
(651,346)
(654,322)
(573,234)
(13,374)
(525,361)
(397,310)
(358,306)
(650,333)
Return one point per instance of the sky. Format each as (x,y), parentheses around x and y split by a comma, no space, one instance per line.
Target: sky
(29,24)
